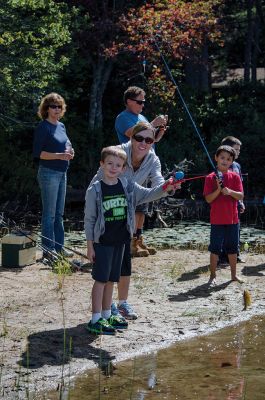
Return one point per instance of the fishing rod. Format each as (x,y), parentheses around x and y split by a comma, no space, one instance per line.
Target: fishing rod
(15,227)
(178,177)
(218,174)
(21,232)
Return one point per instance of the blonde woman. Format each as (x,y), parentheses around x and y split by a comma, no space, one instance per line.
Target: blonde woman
(53,150)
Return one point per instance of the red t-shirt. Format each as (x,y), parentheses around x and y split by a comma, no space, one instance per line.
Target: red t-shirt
(223,208)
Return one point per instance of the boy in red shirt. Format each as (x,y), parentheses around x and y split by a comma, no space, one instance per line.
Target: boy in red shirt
(223,194)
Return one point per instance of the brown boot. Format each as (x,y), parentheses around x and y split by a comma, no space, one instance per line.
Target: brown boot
(151,250)
(136,250)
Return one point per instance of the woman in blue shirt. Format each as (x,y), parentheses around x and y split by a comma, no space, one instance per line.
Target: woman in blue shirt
(53,149)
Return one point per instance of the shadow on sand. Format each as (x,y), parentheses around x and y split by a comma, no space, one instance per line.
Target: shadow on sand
(57,347)
(199,291)
(257,270)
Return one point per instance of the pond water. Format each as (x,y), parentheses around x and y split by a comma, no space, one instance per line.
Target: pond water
(227,365)
(186,234)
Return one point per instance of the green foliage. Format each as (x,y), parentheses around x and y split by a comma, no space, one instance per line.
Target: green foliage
(49,45)
(32,34)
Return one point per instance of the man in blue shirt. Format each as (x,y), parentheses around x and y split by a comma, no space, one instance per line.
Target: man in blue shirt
(134,100)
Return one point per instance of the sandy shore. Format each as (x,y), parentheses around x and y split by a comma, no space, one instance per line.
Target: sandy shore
(43,315)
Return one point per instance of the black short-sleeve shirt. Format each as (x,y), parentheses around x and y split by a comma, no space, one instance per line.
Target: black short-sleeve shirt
(115,214)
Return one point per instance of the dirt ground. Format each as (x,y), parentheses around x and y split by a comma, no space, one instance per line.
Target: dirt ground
(43,316)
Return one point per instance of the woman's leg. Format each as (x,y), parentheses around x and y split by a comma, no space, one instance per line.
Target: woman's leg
(58,223)
(49,183)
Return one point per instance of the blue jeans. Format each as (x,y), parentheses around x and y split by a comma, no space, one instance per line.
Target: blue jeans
(53,188)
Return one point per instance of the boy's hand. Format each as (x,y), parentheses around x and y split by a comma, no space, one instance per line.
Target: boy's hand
(91,253)
(241,207)
(219,183)
(226,191)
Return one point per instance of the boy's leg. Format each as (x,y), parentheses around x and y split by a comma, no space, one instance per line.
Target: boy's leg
(231,245)
(215,248)
(213,264)
(99,325)
(232,261)
(101,272)
(107,299)
(97,296)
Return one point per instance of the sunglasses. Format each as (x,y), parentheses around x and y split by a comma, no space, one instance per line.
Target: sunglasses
(139,138)
(54,106)
(139,102)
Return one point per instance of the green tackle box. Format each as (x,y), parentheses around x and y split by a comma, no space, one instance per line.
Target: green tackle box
(18,249)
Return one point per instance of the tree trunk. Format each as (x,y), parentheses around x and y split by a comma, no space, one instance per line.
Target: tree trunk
(101,73)
(248,43)
(256,49)
(197,71)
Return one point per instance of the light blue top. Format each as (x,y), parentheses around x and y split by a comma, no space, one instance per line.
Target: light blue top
(124,121)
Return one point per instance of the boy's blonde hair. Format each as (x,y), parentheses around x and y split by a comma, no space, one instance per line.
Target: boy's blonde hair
(115,151)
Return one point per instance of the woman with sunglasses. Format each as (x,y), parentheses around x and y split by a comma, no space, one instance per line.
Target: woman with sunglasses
(134,100)
(142,164)
(53,150)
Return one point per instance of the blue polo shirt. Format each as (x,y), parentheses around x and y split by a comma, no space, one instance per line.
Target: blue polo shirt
(124,121)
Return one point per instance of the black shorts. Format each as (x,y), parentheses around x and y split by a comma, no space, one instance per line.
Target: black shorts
(126,267)
(224,237)
(108,260)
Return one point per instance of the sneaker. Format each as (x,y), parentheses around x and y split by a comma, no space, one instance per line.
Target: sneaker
(127,311)
(101,327)
(240,260)
(117,322)
(115,311)
(66,253)
(50,255)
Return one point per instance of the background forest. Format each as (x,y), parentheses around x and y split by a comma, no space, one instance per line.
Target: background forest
(91,51)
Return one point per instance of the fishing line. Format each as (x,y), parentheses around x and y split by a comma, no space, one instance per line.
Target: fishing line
(185,106)
(15,227)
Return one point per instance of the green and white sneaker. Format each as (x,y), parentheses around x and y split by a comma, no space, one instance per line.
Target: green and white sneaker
(118,322)
(101,327)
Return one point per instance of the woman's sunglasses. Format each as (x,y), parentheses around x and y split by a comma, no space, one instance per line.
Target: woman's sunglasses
(139,138)
(54,106)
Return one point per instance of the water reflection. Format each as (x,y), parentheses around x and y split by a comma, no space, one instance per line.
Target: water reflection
(227,365)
